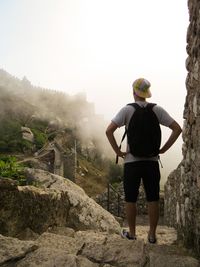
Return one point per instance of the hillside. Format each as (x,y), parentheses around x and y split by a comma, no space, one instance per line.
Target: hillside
(49,129)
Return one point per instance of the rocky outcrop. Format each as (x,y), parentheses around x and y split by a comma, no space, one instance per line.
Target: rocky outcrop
(55,224)
(53,201)
(92,249)
(27,134)
(182,189)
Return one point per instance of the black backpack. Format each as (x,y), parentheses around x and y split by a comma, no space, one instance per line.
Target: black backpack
(143,133)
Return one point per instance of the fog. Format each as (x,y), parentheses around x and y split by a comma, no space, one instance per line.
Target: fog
(74,112)
(71,111)
(99,48)
(60,109)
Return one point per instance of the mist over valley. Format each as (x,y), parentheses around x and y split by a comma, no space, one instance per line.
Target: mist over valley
(33,118)
(67,118)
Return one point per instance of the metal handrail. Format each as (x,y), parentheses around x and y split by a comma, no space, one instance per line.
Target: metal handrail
(110,187)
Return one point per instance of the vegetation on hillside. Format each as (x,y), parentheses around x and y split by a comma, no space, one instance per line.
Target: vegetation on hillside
(52,115)
(10,168)
(11,140)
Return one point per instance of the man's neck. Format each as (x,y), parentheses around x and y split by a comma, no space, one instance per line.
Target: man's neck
(138,98)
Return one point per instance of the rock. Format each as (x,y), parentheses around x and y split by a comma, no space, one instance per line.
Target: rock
(8,184)
(27,234)
(113,250)
(90,249)
(49,257)
(13,248)
(36,164)
(31,207)
(164,256)
(60,230)
(27,134)
(84,212)
(55,201)
(70,245)
(172,260)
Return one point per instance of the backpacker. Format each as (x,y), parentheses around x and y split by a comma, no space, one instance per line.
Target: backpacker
(143,133)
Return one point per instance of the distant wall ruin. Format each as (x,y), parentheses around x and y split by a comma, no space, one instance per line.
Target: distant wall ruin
(182,190)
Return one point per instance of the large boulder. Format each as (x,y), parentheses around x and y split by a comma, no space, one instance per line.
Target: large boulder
(13,248)
(84,249)
(89,249)
(53,201)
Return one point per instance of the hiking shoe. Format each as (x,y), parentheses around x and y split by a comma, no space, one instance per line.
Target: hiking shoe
(152,240)
(125,234)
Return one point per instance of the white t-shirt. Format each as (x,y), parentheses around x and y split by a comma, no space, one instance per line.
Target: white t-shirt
(123,118)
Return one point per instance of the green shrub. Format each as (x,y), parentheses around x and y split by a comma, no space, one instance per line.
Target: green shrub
(10,135)
(39,124)
(26,145)
(9,168)
(40,138)
(3,146)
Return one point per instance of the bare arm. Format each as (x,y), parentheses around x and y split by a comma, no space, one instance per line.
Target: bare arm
(176,131)
(111,138)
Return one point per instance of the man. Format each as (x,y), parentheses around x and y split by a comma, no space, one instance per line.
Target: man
(146,168)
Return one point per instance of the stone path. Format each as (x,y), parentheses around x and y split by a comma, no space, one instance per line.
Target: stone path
(165,235)
(63,247)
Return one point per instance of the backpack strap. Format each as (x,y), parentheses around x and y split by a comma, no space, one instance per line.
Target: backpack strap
(117,157)
(136,106)
(150,105)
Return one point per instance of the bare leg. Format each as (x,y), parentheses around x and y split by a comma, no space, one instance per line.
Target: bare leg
(131,212)
(153,211)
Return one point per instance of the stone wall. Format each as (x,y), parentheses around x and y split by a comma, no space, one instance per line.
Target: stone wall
(182,190)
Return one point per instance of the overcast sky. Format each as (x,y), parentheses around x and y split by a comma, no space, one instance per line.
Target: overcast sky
(98,47)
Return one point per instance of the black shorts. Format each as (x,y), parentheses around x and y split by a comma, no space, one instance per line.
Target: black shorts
(149,172)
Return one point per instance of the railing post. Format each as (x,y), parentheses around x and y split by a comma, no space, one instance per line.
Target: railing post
(108,197)
(109,188)
(118,208)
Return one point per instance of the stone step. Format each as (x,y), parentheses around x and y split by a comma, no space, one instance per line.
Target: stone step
(63,247)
